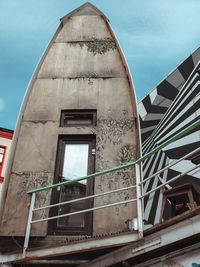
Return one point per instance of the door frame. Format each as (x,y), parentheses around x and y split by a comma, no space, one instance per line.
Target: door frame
(53,229)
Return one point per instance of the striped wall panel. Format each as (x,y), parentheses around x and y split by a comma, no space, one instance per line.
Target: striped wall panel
(154,105)
(183,110)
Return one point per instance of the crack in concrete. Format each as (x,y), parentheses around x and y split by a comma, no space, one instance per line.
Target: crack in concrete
(40,121)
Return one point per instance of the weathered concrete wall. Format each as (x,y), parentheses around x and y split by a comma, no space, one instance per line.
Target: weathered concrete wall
(82,69)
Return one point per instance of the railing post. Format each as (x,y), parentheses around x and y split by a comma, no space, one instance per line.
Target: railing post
(28,226)
(138,172)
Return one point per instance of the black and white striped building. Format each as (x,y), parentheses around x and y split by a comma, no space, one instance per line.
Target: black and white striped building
(171,106)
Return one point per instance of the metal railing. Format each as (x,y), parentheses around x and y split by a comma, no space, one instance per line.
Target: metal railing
(138,186)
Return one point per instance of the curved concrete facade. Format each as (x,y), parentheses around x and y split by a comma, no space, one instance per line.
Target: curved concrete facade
(82,68)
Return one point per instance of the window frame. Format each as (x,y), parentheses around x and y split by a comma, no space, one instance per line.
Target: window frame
(3,159)
(78,114)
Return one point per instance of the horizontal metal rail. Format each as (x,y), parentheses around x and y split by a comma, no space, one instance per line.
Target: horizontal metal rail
(84,198)
(170,165)
(83,211)
(169,181)
(112,204)
(156,149)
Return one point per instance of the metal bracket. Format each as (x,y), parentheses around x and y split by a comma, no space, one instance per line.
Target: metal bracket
(132,224)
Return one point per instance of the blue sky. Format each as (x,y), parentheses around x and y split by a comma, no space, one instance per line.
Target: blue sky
(155,35)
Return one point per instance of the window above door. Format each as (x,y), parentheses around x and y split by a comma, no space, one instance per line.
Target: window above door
(78,117)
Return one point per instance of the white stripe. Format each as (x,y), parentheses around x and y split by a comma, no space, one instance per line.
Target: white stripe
(158,210)
(192,138)
(181,125)
(171,111)
(142,110)
(155,182)
(184,165)
(148,129)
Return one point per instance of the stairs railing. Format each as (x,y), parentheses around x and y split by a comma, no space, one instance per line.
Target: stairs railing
(139,187)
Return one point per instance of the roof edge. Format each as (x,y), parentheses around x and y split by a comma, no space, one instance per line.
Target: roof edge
(6,130)
(87,4)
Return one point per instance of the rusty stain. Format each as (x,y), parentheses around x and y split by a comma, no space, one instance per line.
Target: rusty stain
(41,261)
(172,263)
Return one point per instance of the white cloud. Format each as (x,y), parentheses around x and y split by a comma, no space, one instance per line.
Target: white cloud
(2,104)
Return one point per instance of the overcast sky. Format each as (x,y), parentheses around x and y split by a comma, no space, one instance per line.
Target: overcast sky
(155,35)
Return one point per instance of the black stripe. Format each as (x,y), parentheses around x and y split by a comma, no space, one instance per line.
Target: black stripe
(186,67)
(145,124)
(152,213)
(146,135)
(183,93)
(167,90)
(149,148)
(150,158)
(152,108)
(188,179)
(189,112)
(171,174)
(152,180)
(179,152)
(147,103)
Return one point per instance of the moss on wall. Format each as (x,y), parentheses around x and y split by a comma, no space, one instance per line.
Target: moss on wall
(99,46)
(125,154)
(32,180)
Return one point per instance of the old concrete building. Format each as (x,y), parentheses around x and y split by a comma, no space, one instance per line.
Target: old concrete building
(6,136)
(79,116)
(79,121)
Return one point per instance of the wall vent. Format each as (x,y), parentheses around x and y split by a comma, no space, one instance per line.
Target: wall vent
(78,117)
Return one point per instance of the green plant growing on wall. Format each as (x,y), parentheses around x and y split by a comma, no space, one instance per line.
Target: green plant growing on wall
(125,154)
(99,46)
(113,130)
